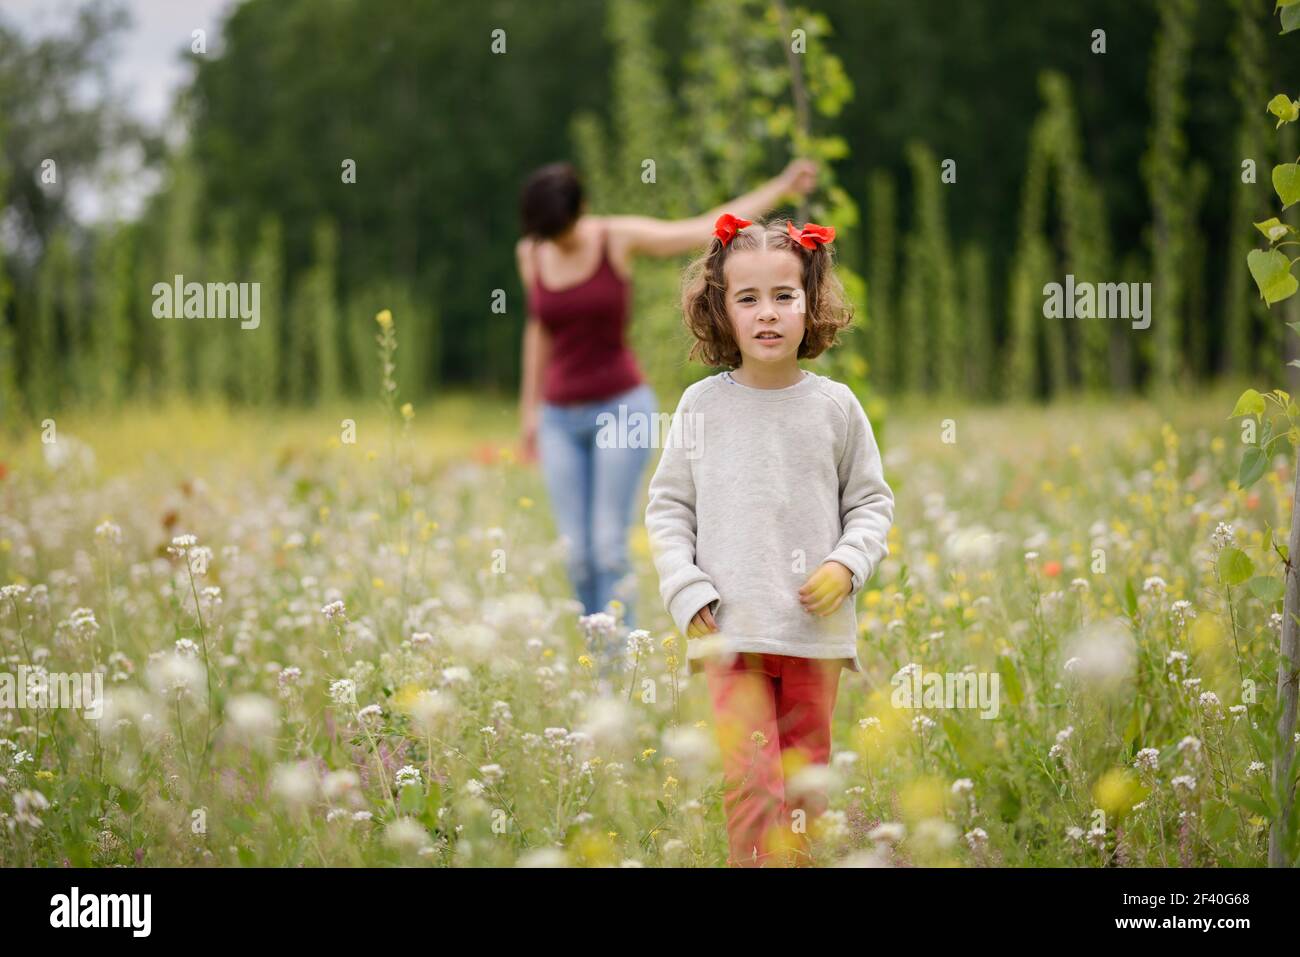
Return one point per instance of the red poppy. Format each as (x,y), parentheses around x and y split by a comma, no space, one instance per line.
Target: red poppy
(727,226)
(1051,569)
(4,471)
(811,234)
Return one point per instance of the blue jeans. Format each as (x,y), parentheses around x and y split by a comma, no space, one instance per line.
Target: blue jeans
(593,487)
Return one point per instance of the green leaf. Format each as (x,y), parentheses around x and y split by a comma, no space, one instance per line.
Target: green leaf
(1266,588)
(1251,803)
(412,799)
(967,752)
(1253,464)
(1284,108)
(1134,728)
(1286,180)
(1250,403)
(1271,271)
(1010,679)
(1262,741)
(1290,20)
(1221,821)
(1235,566)
(1274,229)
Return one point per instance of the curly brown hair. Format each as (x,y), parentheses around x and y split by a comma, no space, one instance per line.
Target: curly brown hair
(704,287)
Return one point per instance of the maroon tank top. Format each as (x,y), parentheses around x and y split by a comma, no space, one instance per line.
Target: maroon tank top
(589,357)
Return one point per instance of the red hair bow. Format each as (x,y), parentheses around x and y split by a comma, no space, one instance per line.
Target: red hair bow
(727,226)
(811,234)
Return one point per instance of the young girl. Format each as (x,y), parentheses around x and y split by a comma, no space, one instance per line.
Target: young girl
(767,513)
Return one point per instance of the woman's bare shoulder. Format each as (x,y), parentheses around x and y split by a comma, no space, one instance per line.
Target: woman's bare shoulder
(621,233)
(524,257)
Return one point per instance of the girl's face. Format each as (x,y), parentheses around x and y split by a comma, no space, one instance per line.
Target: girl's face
(765,303)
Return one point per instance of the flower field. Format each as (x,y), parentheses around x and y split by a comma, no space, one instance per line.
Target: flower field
(345,638)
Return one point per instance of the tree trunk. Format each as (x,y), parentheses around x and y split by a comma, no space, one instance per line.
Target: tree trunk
(1288,671)
(803,124)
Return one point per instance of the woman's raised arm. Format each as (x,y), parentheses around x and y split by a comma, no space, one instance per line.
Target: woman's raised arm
(647,236)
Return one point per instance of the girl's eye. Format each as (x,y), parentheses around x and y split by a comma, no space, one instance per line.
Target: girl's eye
(785,295)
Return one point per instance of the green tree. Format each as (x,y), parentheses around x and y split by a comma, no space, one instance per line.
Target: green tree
(175,252)
(55,107)
(300,340)
(1165,169)
(414,346)
(9,394)
(1244,314)
(262,376)
(1078,245)
(110,365)
(933,334)
(215,354)
(1085,236)
(53,314)
(882,258)
(326,316)
(977,317)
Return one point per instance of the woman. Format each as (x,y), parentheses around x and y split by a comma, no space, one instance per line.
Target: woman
(577,365)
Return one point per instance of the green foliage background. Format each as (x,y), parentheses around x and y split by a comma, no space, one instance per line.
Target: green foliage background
(1117,166)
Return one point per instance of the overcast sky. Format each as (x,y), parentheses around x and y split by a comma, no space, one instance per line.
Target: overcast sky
(146,67)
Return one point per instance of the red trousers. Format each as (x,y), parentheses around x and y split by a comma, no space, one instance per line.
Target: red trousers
(773,717)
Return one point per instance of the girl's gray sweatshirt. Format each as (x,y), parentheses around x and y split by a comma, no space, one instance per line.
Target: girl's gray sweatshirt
(755,489)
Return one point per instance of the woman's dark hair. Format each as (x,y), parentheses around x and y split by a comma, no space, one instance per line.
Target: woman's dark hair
(550,200)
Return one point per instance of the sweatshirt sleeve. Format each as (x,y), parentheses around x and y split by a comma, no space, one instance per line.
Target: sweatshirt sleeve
(866,501)
(671,526)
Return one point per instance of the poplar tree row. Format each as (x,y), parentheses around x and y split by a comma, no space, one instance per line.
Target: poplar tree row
(931,325)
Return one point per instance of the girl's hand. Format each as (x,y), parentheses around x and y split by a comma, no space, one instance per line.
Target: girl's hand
(702,624)
(826,588)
